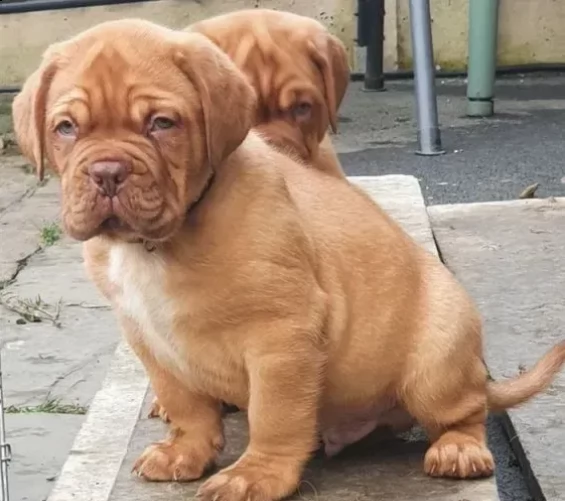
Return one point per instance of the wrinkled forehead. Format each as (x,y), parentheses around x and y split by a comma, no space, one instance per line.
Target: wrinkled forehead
(118,81)
(288,77)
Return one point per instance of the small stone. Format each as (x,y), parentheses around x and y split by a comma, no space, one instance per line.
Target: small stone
(530,191)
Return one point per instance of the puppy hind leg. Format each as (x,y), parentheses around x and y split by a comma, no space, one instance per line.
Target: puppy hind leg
(453,411)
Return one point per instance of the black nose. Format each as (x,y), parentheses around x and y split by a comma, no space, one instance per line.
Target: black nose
(108,175)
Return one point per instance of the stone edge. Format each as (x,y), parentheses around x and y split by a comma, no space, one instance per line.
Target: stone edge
(532,202)
(91,469)
(506,417)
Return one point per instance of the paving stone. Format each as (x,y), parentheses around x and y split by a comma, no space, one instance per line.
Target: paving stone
(40,442)
(65,362)
(58,274)
(379,468)
(20,227)
(16,181)
(43,363)
(511,258)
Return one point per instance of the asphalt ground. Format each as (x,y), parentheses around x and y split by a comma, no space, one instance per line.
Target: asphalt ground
(486,159)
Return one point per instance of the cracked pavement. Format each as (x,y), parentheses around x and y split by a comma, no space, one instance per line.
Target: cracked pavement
(51,369)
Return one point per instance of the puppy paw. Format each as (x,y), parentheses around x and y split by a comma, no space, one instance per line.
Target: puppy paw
(459,459)
(157,410)
(173,461)
(252,483)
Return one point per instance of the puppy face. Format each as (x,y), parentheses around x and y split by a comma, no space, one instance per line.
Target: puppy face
(134,118)
(298,69)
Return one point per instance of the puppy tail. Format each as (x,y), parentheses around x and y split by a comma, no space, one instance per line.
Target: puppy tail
(512,392)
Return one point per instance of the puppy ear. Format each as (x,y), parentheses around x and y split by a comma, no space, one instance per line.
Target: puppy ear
(330,56)
(29,110)
(228,99)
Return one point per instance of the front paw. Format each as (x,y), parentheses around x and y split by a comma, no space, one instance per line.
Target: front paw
(249,483)
(170,460)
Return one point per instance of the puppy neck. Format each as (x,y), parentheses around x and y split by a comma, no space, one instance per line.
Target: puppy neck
(152,245)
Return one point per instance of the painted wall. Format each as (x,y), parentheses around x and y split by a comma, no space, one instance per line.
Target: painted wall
(531,31)
(23,37)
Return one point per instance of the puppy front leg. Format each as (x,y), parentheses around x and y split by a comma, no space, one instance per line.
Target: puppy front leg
(285,388)
(196,433)
(194,440)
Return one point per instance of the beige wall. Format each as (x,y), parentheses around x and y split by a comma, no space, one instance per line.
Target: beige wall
(23,37)
(531,31)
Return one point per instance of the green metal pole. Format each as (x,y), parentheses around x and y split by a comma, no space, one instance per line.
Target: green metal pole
(483,33)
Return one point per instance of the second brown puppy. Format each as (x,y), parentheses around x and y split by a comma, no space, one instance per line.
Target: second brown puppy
(299,71)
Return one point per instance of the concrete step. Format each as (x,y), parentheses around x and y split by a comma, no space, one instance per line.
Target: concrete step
(511,258)
(116,429)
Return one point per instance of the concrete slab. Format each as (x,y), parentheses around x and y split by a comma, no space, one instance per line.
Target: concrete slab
(99,462)
(511,257)
(58,275)
(379,468)
(38,441)
(43,363)
(63,359)
(20,227)
(16,181)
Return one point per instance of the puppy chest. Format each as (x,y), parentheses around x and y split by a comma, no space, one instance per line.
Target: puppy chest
(137,279)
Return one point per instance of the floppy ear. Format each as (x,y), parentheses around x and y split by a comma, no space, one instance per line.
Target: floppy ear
(28,112)
(228,99)
(330,56)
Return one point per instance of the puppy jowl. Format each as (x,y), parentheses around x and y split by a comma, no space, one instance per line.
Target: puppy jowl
(237,275)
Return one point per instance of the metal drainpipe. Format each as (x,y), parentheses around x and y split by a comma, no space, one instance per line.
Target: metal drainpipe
(429,137)
(374,79)
(370,34)
(483,34)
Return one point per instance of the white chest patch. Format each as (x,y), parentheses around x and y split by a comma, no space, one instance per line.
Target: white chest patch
(138,277)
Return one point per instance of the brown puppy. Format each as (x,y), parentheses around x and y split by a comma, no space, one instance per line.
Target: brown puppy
(239,275)
(299,71)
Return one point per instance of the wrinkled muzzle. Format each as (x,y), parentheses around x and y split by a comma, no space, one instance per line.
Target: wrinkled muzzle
(119,191)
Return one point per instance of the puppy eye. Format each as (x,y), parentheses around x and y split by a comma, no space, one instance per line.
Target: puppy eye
(66,128)
(161,123)
(302,110)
